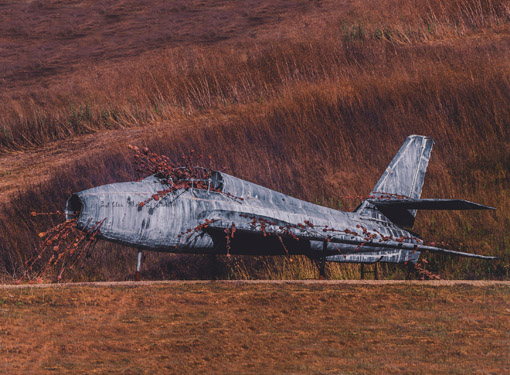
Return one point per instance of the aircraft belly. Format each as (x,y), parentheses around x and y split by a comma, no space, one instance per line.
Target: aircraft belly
(384,256)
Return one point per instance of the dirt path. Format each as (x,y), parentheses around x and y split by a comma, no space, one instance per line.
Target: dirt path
(476,283)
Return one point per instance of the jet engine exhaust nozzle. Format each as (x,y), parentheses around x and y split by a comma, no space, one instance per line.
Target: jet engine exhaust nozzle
(74,206)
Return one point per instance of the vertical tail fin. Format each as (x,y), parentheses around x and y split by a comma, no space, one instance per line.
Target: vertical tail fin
(404,176)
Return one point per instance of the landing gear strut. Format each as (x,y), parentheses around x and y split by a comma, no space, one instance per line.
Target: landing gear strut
(322,269)
(322,265)
(138,265)
(374,271)
(410,270)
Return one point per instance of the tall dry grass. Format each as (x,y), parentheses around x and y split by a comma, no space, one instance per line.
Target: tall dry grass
(318,115)
(189,80)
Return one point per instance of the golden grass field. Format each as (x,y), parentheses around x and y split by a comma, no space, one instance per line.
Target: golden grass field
(310,98)
(256,328)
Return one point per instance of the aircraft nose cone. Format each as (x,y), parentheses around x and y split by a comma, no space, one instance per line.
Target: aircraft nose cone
(84,207)
(74,207)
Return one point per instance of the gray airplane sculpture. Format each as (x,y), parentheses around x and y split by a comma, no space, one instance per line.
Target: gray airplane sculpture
(230,215)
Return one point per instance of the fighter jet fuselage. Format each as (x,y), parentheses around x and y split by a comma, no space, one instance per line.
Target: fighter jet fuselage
(235,216)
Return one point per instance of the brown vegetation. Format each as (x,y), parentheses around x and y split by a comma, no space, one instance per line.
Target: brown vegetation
(220,327)
(312,100)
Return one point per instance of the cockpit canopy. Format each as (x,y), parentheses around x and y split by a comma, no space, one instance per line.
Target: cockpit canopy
(196,178)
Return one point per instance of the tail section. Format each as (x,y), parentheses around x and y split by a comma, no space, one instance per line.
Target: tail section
(402,179)
(405,175)
(396,196)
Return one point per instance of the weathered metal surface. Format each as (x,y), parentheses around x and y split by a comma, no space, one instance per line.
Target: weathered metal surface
(266,222)
(403,177)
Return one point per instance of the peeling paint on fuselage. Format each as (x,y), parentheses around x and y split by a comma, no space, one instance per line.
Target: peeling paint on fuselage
(161,225)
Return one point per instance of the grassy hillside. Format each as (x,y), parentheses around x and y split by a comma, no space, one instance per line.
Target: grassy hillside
(311,99)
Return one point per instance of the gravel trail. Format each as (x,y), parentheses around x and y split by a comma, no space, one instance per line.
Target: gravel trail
(476,283)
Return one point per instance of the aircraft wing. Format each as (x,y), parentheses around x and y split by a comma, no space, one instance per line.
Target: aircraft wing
(259,226)
(428,204)
(245,233)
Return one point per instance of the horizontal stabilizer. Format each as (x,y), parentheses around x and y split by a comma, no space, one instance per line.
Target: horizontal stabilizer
(402,211)
(429,204)
(403,177)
